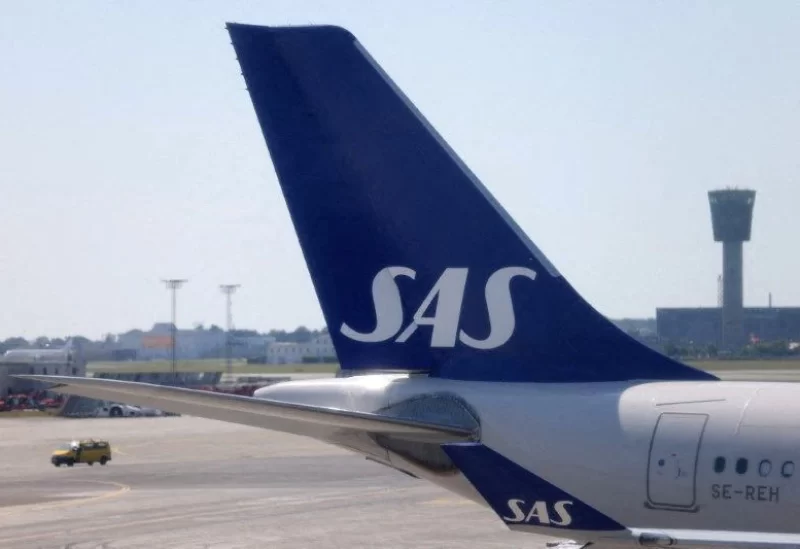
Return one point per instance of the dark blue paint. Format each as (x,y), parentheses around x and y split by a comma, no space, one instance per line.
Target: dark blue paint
(369,186)
(499,480)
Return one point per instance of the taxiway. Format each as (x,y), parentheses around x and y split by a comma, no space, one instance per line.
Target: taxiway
(183,482)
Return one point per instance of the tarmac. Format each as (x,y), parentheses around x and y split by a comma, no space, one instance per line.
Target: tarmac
(188,482)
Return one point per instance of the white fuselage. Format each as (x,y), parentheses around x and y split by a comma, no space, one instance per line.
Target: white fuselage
(646,454)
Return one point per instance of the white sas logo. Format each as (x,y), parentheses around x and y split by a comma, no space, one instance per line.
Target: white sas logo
(449,294)
(524,512)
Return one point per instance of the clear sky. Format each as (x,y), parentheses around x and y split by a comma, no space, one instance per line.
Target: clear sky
(131,152)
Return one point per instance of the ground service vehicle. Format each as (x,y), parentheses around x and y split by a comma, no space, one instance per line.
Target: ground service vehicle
(85,451)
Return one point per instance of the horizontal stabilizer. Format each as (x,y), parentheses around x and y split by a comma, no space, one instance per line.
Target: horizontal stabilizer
(317,422)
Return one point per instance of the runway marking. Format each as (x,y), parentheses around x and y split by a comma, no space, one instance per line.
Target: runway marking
(121,489)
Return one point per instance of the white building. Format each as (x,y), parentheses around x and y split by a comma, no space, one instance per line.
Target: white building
(319,349)
(284,353)
(251,345)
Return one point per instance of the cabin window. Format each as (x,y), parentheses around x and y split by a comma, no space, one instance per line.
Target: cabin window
(788,469)
(719,464)
(741,466)
(765,467)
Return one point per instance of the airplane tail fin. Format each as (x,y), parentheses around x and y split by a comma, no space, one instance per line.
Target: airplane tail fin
(415,264)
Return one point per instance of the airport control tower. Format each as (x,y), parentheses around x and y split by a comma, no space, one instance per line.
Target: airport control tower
(731,218)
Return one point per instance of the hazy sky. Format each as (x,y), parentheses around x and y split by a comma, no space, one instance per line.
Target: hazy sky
(131,151)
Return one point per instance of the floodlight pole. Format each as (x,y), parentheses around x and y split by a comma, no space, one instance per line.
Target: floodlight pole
(174,284)
(228,290)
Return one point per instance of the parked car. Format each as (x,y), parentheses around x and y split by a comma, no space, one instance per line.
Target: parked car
(117,410)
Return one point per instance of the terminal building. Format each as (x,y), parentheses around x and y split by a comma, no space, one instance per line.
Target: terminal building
(731,326)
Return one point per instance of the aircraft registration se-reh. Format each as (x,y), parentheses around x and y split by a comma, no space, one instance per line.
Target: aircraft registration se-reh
(476,365)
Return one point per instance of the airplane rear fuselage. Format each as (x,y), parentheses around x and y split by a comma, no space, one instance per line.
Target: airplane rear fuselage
(691,455)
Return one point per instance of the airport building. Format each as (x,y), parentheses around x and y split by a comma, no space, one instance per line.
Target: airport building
(319,349)
(704,326)
(67,361)
(156,344)
(731,325)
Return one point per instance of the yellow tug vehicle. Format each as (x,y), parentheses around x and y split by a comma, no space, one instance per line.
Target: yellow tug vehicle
(82,451)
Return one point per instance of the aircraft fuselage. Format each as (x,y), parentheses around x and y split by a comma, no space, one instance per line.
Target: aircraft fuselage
(689,455)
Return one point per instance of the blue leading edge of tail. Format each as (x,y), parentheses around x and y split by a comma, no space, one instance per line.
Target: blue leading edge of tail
(415,264)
